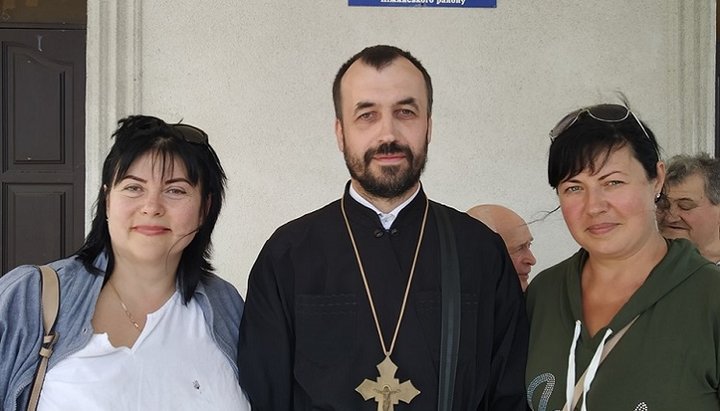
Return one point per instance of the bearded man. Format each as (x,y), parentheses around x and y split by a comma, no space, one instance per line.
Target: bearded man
(383,299)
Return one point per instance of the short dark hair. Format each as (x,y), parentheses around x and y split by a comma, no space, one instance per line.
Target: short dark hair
(135,136)
(682,166)
(379,57)
(588,140)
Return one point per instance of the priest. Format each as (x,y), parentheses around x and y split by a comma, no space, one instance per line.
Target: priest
(383,299)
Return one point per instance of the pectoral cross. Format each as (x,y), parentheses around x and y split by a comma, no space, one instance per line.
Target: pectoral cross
(387,390)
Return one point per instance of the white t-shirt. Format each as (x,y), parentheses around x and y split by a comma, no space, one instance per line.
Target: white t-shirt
(173,365)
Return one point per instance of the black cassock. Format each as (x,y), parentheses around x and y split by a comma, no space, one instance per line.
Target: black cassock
(308,338)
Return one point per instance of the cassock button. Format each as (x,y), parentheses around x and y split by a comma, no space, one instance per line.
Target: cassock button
(378,233)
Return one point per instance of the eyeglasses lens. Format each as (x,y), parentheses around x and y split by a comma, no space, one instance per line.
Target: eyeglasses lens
(608,112)
(565,123)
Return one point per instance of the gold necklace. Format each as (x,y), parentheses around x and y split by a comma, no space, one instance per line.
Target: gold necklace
(124,307)
(386,390)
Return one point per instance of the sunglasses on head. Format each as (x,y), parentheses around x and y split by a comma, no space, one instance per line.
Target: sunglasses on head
(191,134)
(607,113)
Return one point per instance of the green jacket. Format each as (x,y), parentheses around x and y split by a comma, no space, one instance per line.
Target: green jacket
(669,359)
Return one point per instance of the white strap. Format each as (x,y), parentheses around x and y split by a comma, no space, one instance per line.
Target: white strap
(592,368)
(570,378)
(606,350)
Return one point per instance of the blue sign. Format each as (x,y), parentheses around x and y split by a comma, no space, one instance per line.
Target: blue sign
(423,3)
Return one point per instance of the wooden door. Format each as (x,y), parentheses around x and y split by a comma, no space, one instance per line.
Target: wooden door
(42,145)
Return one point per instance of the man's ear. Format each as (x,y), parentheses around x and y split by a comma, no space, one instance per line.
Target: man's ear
(429,130)
(339,136)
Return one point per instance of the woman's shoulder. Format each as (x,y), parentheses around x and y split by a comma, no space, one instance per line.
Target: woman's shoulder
(20,290)
(220,298)
(29,275)
(219,290)
(705,280)
(219,284)
(552,277)
(684,263)
(19,283)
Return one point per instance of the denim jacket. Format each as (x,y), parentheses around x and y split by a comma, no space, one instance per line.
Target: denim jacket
(21,324)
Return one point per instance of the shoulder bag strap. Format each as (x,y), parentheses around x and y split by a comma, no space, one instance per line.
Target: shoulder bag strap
(49,305)
(450,327)
(606,350)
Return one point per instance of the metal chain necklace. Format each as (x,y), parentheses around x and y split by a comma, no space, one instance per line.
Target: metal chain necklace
(386,390)
(124,307)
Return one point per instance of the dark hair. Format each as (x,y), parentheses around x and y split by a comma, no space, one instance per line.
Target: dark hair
(588,142)
(682,166)
(379,57)
(135,136)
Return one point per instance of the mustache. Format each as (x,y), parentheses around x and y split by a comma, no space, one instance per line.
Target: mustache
(388,148)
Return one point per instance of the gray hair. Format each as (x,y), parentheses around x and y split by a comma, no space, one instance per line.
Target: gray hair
(682,166)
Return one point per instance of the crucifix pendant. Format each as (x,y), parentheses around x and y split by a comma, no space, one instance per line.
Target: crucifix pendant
(387,390)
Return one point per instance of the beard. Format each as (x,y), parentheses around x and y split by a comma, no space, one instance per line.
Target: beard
(390,181)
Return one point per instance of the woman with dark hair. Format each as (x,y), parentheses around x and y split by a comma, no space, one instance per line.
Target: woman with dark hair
(631,321)
(143,323)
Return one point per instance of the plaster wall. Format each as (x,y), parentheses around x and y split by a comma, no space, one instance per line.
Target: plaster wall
(257,76)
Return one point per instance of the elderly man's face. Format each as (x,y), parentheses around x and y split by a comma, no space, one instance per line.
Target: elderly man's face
(688,213)
(518,241)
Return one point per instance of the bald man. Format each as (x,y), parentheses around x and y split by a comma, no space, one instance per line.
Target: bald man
(514,231)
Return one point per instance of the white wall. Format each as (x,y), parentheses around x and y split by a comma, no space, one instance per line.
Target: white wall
(257,77)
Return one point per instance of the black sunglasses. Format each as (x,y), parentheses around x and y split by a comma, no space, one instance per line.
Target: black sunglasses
(191,134)
(607,113)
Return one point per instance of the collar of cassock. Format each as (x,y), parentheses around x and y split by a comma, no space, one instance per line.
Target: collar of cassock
(386,219)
